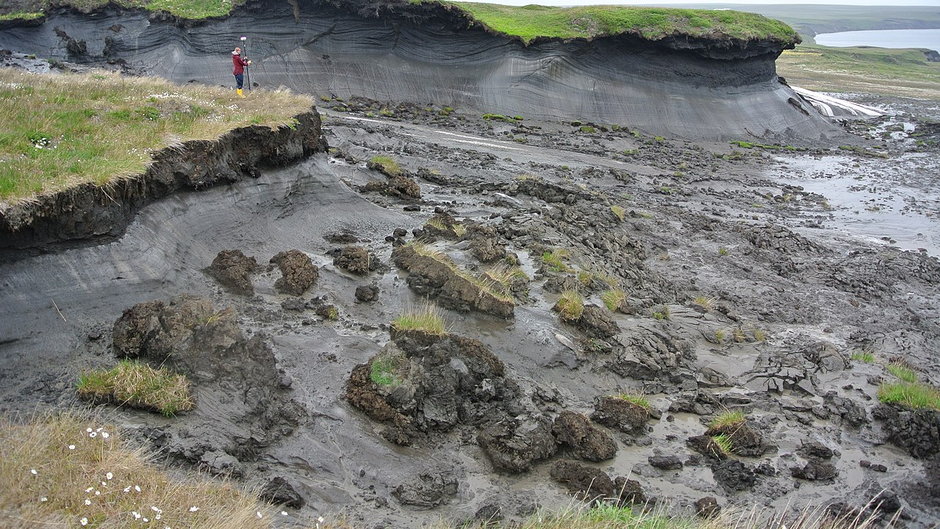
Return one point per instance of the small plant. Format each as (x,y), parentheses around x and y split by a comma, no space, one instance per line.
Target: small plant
(723,443)
(666,190)
(914,395)
(555,260)
(427,319)
(662,313)
(737,334)
(610,515)
(865,357)
(386,113)
(705,302)
(446,111)
(902,372)
(720,336)
(140,386)
(727,419)
(459,230)
(332,314)
(618,211)
(587,129)
(585,277)
(639,400)
(759,335)
(388,165)
(386,368)
(722,251)
(614,299)
(570,305)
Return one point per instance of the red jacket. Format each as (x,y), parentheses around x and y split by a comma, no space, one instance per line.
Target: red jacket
(239,64)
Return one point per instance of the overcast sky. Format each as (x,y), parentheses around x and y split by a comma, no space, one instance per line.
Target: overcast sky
(743,2)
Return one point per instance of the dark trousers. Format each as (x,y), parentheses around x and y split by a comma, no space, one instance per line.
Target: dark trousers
(239,80)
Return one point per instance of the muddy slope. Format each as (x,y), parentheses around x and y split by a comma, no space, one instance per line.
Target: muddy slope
(88,212)
(428,54)
(742,293)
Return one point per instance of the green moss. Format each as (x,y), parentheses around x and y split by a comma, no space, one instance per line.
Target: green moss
(639,400)
(654,23)
(388,164)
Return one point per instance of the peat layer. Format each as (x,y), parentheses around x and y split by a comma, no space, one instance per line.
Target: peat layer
(743,291)
(428,53)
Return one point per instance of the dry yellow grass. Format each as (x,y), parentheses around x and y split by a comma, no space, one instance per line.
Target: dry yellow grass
(60,130)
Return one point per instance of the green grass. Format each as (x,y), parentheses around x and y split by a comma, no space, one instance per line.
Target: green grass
(427,319)
(705,302)
(619,212)
(388,165)
(914,395)
(661,314)
(614,299)
(904,373)
(386,369)
(866,357)
(139,386)
(720,336)
(723,442)
(570,305)
(22,15)
(188,9)
(653,23)
(728,418)
(555,260)
(507,274)
(894,72)
(484,283)
(639,400)
(63,130)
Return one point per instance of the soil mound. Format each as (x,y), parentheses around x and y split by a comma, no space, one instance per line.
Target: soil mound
(232,269)
(298,273)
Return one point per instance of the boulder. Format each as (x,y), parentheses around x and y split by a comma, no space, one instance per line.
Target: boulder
(298,273)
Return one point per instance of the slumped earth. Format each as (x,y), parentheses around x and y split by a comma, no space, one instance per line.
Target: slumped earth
(746,289)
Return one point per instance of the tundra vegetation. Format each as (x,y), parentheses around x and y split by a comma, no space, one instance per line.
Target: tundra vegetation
(139,386)
(64,130)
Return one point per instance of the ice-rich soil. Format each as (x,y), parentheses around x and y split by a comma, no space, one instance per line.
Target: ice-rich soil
(787,290)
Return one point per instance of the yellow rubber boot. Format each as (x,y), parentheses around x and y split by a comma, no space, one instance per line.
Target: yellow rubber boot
(239,92)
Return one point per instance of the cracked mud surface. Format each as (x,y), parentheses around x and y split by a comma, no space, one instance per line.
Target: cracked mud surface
(746,289)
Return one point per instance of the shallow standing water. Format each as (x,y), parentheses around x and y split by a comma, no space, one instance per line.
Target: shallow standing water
(885,38)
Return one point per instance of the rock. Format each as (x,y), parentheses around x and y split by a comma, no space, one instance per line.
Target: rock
(294,304)
(666,462)
(355,260)
(400,232)
(396,184)
(706,446)
(849,410)
(279,491)
(429,489)
(707,507)
(584,482)
(298,273)
(486,515)
(487,249)
(585,440)
(917,431)
(654,354)
(220,463)
(815,471)
(734,475)
(513,445)
(886,501)
(232,269)
(367,293)
(621,414)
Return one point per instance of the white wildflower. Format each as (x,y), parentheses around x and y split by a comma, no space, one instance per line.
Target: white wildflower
(88,430)
(89,489)
(44,499)
(283,513)
(93,435)
(137,488)
(136,515)
(71,447)
(87,501)
(154,508)
(83,521)
(109,475)
(193,509)
(33,472)
(105,435)
(258,513)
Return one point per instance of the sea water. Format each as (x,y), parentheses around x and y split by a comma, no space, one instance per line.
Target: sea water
(886,38)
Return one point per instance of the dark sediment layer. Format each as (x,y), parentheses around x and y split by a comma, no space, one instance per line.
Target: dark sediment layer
(89,211)
(682,86)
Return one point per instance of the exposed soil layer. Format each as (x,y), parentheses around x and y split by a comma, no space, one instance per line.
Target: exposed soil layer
(429,53)
(89,211)
(744,291)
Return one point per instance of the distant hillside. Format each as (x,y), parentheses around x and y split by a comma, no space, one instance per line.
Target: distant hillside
(811,20)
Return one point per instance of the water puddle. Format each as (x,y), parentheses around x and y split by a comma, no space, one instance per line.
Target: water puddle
(894,201)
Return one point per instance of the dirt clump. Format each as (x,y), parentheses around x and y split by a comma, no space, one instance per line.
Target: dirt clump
(233,270)
(745,441)
(356,260)
(733,475)
(585,440)
(367,293)
(513,445)
(298,273)
(584,482)
(279,491)
(427,490)
(434,277)
(917,431)
(398,185)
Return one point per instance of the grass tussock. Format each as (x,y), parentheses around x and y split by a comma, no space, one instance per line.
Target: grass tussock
(388,164)
(570,305)
(426,319)
(723,444)
(639,400)
(728,419)
(865,357)
(506,274)
(74,471)
(484,283)
(903,372)
(533,21)
(387,369)
(189,9)
(140,386)
(618,212)
(916,395)
(555,259)
(63,130)
(705,302)
(614,299)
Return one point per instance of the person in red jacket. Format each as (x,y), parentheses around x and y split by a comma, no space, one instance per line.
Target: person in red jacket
(239,63)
